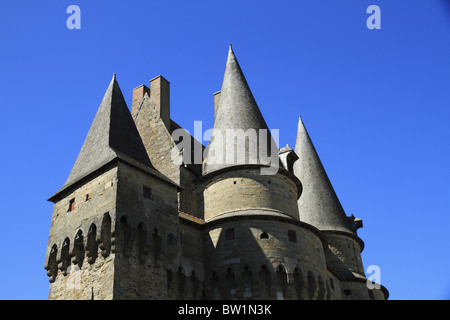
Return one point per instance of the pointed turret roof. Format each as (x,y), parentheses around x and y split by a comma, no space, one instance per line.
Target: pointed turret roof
(112,135)
(237,109)
(318,203)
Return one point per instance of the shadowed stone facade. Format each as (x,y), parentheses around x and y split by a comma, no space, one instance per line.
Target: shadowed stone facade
(140,217)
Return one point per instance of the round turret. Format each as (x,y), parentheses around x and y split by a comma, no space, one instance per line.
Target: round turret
(255,245)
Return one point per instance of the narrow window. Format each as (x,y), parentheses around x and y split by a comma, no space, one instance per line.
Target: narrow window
(292,236)
(77,254)
(125,232)
(71,205)
(157,244)
(92,245)
(147,193)
(194,284)
(105,243)
(215,286)
(142,242)
(230,285)
(264,235)
(181,282)
(311,285)
(264,282)
(65,257)
(321,295)
(281,284)
(298,282)
(247,281)
(229,234)
(88,196)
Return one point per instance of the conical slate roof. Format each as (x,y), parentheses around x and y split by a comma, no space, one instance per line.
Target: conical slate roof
(236,112)
(318,204)
(113,134)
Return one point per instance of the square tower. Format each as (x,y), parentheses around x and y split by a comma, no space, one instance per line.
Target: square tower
(112,216)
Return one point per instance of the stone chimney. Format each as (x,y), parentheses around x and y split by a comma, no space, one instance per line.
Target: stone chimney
(138,93)
(160,98)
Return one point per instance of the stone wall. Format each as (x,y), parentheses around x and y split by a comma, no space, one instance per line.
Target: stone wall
(344,252)
(156,134)
(268,258)
(247,189)
(80,257)
(124,233)
(147,235)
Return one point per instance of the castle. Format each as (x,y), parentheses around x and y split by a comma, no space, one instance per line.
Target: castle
(141,216)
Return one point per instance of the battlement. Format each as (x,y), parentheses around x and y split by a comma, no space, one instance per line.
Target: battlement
(137,219)
(91,242)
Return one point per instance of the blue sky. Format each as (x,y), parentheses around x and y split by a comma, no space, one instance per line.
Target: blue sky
(375,102)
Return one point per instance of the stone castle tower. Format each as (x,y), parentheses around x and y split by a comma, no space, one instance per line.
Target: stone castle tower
(140,217)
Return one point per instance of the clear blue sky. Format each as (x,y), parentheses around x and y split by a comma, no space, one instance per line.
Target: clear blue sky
(375,102)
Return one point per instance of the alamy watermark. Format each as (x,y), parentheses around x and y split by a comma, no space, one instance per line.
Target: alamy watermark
(374,279)
(74,20)
(74,277)
(228,147)
(374,21)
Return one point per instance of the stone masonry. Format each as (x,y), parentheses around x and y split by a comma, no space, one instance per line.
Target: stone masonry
(140,217)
